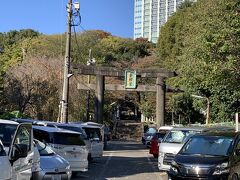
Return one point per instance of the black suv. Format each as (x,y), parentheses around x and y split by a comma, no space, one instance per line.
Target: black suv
(212,155)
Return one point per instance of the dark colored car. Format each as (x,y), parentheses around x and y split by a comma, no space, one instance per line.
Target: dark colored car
(212,155)
(148,135)
(154,146)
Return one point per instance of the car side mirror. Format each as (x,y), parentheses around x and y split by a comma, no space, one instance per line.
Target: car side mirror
(237,151)
(19,151)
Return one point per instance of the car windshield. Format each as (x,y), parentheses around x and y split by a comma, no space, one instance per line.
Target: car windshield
(151,131)
(6,133)
(208,145)
(93,133)
(178,136)
(43,149)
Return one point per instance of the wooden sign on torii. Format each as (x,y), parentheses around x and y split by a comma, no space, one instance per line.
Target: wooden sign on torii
(100,86)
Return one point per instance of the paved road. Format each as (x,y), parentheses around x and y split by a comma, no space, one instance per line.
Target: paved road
(123,160)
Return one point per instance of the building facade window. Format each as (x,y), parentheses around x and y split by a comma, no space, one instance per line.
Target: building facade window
(150,15)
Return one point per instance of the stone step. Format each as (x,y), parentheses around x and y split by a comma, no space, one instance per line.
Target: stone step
(129,130)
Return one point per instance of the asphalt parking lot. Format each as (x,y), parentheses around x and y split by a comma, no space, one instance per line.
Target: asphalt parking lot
(123,160)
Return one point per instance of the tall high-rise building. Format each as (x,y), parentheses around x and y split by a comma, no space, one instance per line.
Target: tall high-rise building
(150,15)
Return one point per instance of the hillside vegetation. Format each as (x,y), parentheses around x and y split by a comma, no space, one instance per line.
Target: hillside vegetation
(32,66)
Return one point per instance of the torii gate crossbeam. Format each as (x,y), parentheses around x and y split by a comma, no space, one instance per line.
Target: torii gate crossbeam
(101,72)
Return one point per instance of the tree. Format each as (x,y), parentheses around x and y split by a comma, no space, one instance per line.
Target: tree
(181,105)
(32,88)
(201,43)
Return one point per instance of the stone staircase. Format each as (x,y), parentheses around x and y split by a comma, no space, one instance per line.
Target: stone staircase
(129,130)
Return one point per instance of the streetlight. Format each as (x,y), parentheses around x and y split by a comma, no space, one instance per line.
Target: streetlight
(208,106)
(91,61)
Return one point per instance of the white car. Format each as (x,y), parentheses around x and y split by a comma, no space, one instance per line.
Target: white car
(83,135)
(67,144)
(5,166)
(52,165)
(95,133)
(18,142)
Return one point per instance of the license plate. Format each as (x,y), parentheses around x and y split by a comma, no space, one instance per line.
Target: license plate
(56,177)
(72,155)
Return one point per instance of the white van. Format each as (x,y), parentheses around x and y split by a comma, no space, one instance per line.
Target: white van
(82,132)
(95,133)
(67,144)
(18,142)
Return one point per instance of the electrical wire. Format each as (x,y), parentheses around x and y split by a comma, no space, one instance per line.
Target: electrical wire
(76,40)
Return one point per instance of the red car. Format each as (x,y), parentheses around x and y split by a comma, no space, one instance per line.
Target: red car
(154,148)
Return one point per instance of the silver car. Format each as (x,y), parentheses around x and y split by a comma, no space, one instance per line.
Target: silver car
(175,139)
(172,143)
(52,165)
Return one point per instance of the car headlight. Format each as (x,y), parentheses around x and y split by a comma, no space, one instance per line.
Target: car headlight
(69,172)
(68,167)
(173,163)
(149,137)
(173,167)
(36,167)
(221,169)
(161,154)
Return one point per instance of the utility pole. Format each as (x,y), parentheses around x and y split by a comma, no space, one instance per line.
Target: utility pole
(89,80)
(65,92)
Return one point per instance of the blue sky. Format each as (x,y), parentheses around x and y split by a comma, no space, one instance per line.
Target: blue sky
(49,16)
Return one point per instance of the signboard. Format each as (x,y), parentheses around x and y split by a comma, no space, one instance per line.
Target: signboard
(130,79)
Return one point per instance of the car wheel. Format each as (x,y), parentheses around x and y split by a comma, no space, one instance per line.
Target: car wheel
(155,155)
(235,177)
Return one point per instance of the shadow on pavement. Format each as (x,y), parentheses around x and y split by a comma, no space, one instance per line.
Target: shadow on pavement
(124,145)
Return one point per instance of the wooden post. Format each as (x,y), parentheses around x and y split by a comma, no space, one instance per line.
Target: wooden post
(160,101)
(99,99)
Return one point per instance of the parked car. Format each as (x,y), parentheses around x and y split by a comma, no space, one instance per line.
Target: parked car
(67,144)
(212,155)
(31,121)
(17,139)
(148,135)
(176,138)
(93,138)
(172,143)
(73,127)
(95,133)
(5,165)
(52,165)
(157,138)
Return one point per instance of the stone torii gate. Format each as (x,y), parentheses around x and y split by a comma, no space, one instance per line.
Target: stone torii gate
(100,86)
